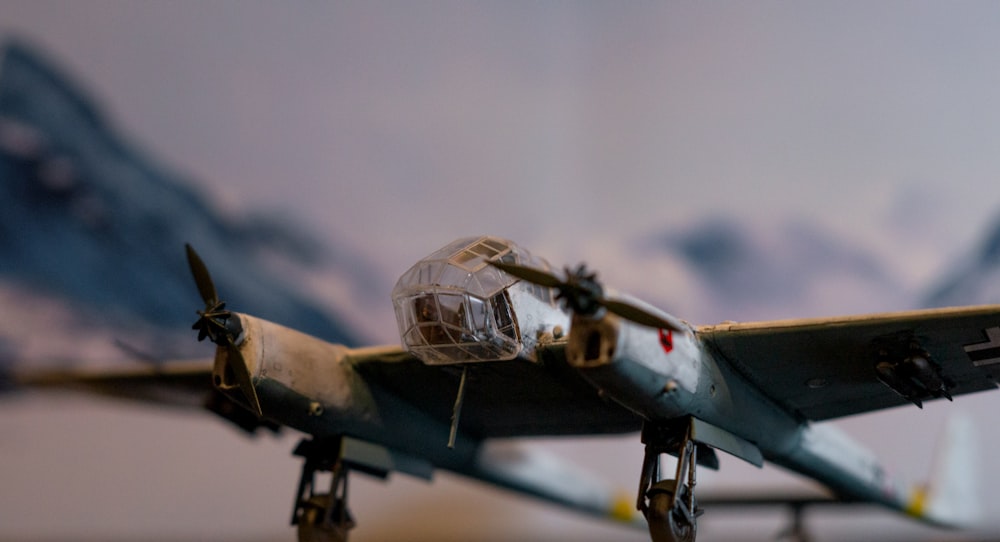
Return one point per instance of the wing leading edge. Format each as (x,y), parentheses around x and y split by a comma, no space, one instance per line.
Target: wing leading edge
(183,383)
(512,398)
(826,368)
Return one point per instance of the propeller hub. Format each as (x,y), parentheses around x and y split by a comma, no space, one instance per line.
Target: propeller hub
(584,295)
(581,292)
(213,323)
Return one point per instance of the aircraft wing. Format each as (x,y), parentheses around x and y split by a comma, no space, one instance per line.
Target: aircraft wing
(174,383)
(825,368)
(184,384)
(502,398)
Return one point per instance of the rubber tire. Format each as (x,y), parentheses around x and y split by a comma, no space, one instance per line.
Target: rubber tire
(665,524)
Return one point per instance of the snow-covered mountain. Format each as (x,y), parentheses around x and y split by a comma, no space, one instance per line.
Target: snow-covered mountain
(92,231)
(722,268)
(975,279)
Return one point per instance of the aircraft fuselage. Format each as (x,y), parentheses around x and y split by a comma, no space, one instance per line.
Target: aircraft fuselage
(456,311)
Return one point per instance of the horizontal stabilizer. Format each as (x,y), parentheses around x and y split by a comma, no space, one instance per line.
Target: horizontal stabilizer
(535,472)
(951,497)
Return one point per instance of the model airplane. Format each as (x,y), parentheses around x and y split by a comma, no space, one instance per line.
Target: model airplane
(495,345)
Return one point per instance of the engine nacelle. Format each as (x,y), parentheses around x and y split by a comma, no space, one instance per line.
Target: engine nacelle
(298,378)
(651,371)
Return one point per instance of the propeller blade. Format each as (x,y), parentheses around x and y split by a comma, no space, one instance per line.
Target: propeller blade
(243,378)
(222,327)
(201,277)
(638,315)
(530,274)
(584,294)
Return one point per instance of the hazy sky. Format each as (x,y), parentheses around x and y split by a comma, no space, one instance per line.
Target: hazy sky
(395,127)
(418,123)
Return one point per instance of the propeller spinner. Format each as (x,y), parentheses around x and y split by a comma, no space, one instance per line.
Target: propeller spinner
(219,326)
(584,295)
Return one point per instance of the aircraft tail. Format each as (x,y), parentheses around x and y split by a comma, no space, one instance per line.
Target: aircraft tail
(532,471)
(951,496)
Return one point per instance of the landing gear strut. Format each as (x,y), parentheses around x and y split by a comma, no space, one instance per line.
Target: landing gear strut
(322,517)
(796,532)
(669,505)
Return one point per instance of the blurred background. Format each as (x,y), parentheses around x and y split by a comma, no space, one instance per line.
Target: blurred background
(724,161)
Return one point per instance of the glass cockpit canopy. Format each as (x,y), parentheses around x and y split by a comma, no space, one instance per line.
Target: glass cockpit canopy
(453,307)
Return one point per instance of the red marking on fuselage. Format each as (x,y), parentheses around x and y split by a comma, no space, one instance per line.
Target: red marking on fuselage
(667,340)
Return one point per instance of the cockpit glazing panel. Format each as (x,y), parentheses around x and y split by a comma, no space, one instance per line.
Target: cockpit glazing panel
(453,307)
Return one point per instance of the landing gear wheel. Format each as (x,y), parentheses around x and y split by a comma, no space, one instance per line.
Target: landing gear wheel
(667,522)
(314,524)
(669,505)
(322,516)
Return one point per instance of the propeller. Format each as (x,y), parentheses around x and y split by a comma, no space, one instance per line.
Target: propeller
(584,295)
(219,326)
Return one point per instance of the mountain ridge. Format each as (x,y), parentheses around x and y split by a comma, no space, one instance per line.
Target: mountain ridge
(86,217)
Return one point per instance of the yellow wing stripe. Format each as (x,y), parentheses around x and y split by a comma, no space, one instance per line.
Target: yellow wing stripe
(622,509)
(917,505)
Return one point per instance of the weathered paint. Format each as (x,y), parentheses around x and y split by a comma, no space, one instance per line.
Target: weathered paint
(630,365)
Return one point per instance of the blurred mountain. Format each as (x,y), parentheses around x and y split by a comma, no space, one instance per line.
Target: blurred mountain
(721,268)
(974,280)
(91,224)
